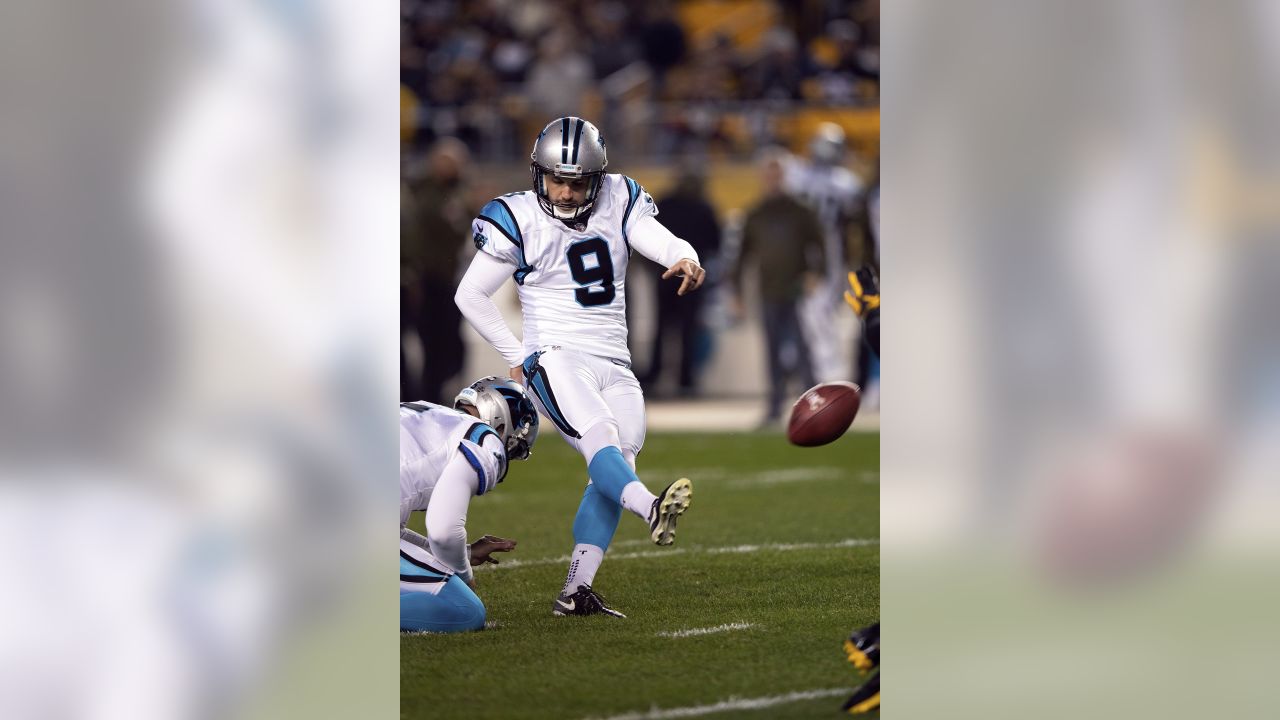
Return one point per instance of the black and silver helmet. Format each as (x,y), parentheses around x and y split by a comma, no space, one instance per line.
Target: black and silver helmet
(503,405)
(568,148)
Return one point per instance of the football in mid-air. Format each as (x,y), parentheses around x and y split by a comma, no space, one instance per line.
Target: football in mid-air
(823,413)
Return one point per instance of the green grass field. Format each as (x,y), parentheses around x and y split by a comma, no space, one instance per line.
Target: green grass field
(779,539)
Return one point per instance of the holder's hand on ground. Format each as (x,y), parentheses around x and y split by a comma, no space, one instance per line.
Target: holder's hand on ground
(692,273)
(481,549)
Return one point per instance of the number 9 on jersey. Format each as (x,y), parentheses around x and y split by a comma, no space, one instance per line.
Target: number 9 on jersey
(590,264)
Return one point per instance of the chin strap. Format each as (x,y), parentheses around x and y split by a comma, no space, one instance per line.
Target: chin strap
(581,217)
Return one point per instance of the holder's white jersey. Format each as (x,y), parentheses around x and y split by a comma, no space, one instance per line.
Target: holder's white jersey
(570,280)
(431,436)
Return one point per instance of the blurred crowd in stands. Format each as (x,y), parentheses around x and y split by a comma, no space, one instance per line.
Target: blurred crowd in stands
(661,75)
(784,94)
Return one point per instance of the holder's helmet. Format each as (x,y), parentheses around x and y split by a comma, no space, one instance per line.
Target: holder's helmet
(569,148)
(503,405)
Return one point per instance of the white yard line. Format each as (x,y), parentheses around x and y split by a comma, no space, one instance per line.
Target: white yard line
(706,631)
(846,543)
(792,475)
(732,703)
(695,550)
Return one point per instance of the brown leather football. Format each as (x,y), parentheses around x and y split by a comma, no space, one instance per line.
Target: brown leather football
(823,413)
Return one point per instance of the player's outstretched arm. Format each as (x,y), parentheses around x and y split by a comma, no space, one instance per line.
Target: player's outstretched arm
(653,240)
(474,299)
(447,516)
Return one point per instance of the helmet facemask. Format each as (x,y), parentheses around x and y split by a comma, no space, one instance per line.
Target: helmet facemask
(565,212)
(524,430)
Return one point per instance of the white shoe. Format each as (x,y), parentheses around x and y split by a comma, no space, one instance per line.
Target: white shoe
(669,506)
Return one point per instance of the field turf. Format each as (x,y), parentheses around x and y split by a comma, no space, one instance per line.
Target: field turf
(781,540)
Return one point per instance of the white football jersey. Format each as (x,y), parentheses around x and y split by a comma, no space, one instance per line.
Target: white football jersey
(570,280)
(431,436)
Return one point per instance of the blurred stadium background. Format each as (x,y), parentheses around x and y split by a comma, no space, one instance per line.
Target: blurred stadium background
(198,354)
(709,104)
(699,86)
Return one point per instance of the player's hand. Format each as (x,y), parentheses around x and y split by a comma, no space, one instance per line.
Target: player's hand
(481,549)
(517,373)
(863,294)
(692,273)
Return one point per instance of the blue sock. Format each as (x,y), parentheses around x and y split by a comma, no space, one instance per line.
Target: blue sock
(597,517)
(610,472)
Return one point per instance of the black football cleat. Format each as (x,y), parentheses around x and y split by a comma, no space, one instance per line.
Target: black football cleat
(864,699)
(583,602)
(666,509)
(863,648)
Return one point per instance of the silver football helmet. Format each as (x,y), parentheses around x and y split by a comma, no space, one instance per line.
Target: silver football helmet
(503,405)
(568,148)
(828,144)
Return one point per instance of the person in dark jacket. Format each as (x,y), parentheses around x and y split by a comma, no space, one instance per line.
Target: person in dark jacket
(783,238)
(435,224)
(662,42)
(687,213)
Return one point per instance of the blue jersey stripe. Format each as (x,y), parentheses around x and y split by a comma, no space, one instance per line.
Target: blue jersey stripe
(501,217)
(498,214)
(542,388)
(477,432)
(475,465)
(633,191)
(537,379)
(530,363)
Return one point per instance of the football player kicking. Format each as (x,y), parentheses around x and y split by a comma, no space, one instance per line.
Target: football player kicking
(446,457)
(566,243)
